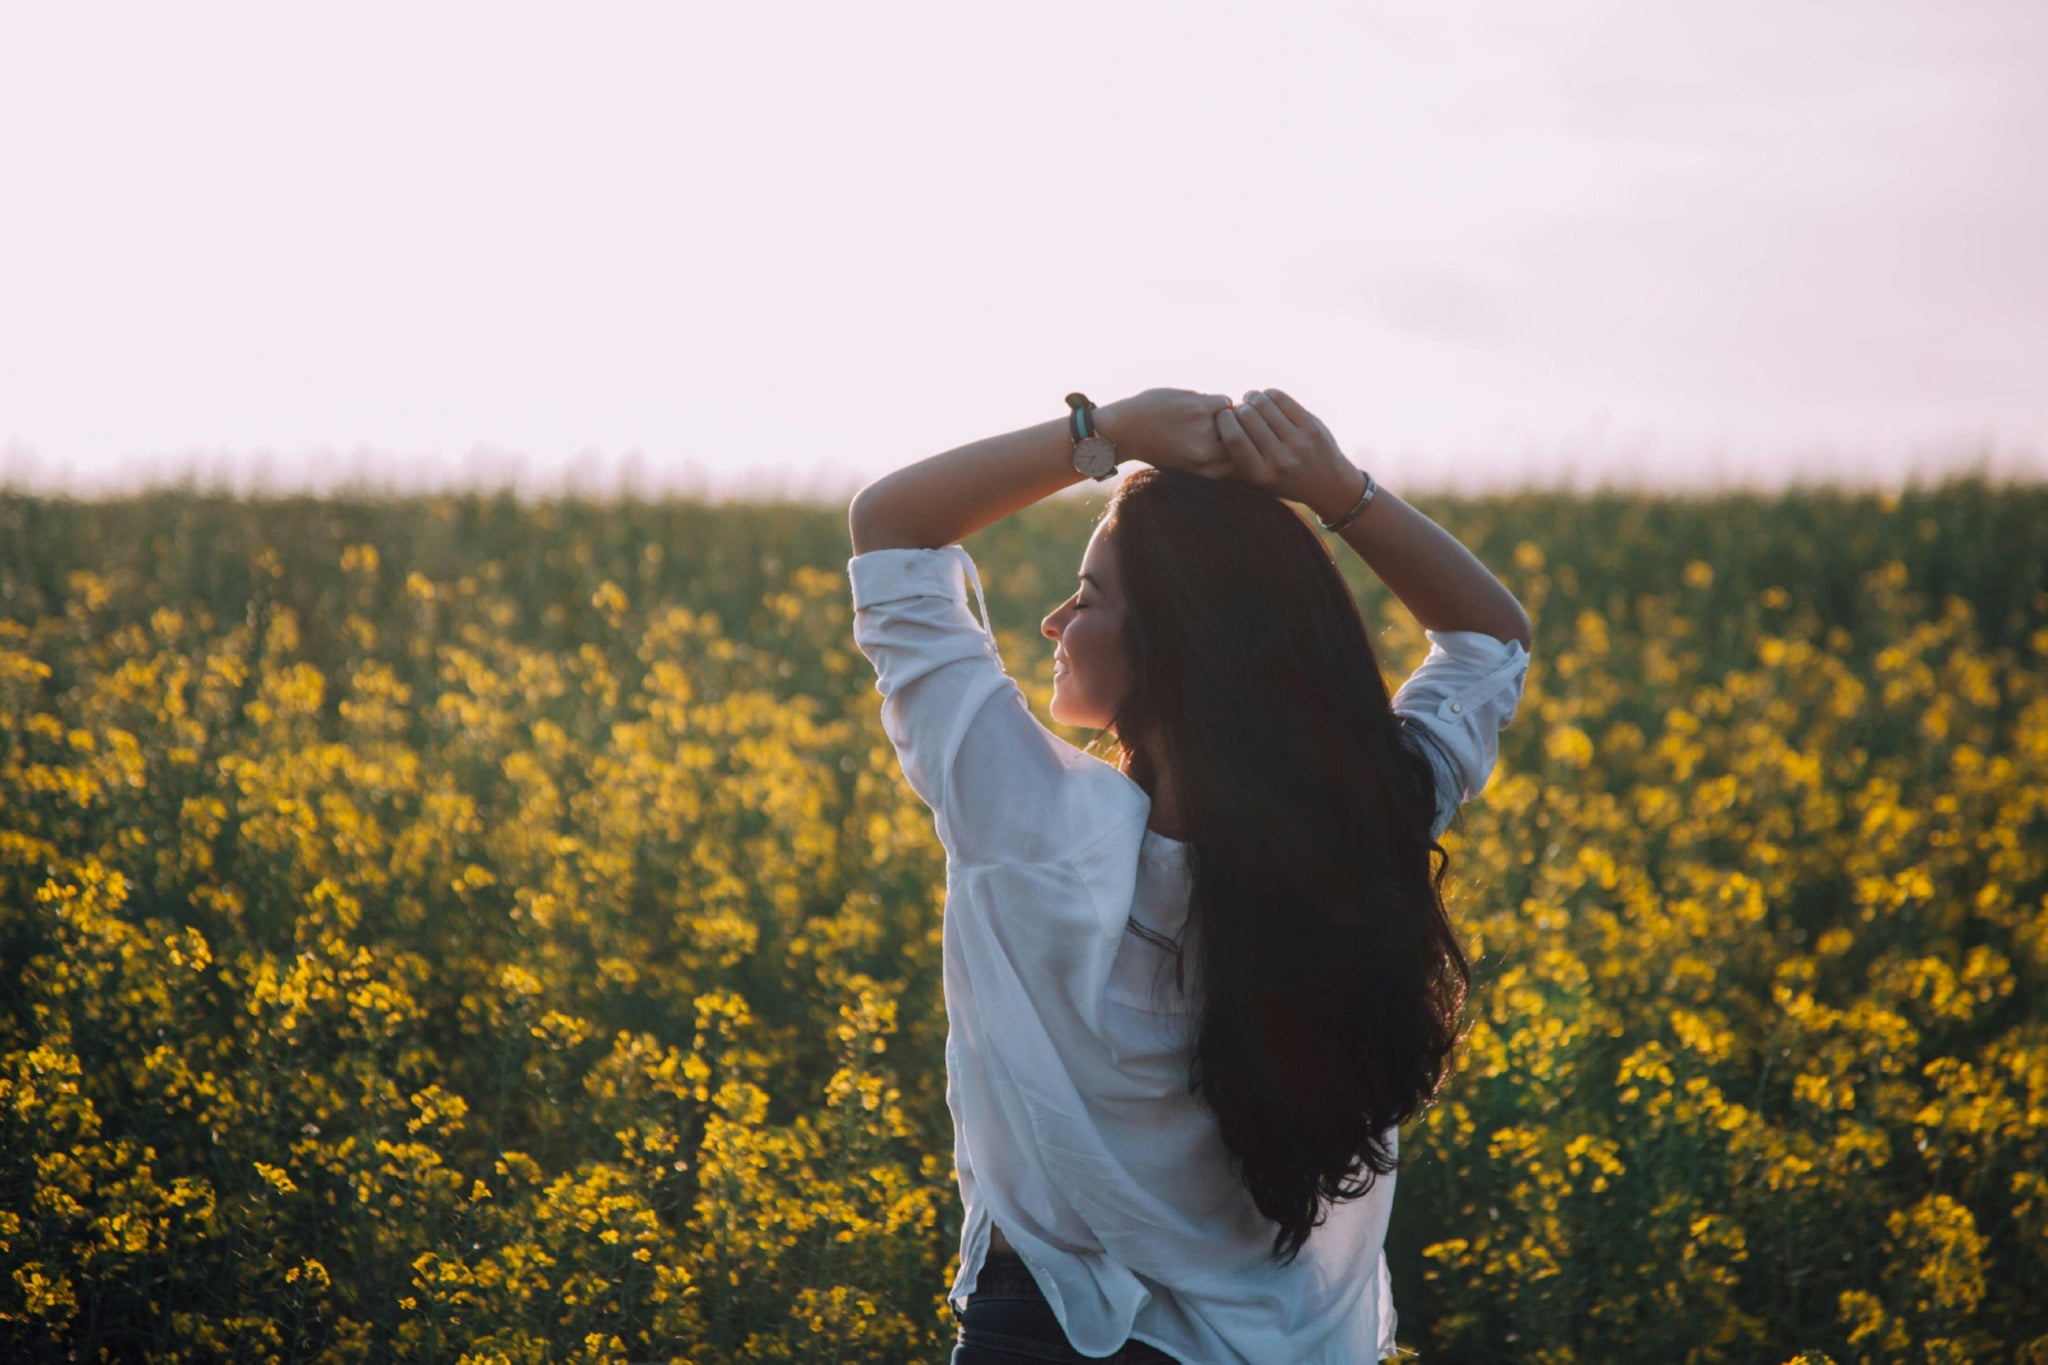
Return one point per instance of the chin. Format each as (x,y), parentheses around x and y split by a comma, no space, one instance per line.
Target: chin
(1062,711)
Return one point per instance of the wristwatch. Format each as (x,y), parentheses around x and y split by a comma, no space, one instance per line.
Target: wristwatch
(1094,453)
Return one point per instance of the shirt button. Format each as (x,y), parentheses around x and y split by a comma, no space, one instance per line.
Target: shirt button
(1456,707)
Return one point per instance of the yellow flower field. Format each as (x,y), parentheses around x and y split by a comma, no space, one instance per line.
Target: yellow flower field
(447,929)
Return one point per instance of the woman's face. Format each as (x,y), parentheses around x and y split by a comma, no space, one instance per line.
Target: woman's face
(1090,673)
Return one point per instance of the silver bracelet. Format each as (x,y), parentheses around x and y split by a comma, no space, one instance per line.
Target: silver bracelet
(1351,516)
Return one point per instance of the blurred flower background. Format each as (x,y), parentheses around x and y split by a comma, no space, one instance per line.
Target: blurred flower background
(458,928)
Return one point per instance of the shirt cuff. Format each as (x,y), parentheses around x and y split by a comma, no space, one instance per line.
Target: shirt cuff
(1474,646)
(1504,663)
(886,575)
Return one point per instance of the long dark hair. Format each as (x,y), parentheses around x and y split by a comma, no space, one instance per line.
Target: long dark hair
(1330,983)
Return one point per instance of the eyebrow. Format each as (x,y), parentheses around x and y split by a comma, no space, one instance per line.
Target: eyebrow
(1089,579)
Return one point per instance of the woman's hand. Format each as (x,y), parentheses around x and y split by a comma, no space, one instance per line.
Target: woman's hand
(1169,429)
(1276,444)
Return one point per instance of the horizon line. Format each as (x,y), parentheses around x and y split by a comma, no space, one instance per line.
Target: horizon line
(374,472)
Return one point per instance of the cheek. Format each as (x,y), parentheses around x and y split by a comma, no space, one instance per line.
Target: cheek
(1100,645)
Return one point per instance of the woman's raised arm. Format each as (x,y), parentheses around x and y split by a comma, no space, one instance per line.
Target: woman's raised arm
(1441,582)
(946,498)
(1280,447)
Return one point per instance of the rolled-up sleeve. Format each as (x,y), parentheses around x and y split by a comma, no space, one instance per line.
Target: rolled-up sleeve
(1001,786)
(1464,693)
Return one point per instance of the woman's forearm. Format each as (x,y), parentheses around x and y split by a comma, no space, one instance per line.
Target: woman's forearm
(946,498)
(1443,584)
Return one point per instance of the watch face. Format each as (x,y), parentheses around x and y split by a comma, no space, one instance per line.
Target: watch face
(1095,457)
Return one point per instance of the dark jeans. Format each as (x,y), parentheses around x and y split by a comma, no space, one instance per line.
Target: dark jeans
(1008,1321)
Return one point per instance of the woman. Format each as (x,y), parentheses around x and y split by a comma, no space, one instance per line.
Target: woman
(1191,996)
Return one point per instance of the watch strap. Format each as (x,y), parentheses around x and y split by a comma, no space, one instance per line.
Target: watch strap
(1081,417)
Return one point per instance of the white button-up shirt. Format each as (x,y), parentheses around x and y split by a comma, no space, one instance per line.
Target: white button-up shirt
(1068,1042)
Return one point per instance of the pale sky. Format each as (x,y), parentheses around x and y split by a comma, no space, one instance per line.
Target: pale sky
(786,248)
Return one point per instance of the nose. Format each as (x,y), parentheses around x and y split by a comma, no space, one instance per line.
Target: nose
(1055,621)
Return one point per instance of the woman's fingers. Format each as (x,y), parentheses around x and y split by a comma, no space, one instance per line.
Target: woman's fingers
(1279,441)
(1277,420)
(1242,449)
(1258,428)
(1203,437)
(1276,445)
(1295,412)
